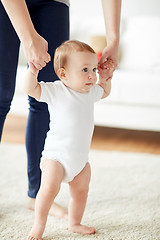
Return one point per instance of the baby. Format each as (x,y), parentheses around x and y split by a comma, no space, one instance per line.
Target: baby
(65,155)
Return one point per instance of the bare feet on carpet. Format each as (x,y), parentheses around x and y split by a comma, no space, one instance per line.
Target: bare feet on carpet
(82,229)
(36,233)
(32,238)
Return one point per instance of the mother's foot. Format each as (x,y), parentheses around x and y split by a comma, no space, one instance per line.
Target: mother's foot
(56,210)
(82,229)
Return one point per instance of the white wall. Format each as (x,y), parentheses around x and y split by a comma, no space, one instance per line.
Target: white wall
(82,12)
(92,8)
(140,7)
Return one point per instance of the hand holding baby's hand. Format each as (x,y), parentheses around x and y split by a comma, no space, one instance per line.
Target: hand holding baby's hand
(108,65)
(106,70)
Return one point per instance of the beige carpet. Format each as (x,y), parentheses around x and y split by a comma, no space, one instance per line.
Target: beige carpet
(123,203)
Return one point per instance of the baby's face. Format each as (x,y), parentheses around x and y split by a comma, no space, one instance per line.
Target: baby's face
(81,71)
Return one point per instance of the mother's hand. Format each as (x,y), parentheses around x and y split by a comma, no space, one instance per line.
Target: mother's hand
(109,61)
(36,52)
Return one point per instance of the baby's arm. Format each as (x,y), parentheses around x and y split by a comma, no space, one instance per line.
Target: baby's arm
(105,76)
(106,85)
(31,85)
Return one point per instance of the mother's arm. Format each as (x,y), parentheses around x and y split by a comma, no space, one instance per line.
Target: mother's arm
(112,13)
(35,47)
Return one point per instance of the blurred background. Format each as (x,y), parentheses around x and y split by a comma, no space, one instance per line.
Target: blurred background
(129,119)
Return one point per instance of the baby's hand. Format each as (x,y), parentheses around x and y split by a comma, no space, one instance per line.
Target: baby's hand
(108,65)
(36,71)
(106,69)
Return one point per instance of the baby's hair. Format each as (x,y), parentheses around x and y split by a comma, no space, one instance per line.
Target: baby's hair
(65,49)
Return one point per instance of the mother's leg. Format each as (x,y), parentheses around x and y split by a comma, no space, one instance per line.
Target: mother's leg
(9,50)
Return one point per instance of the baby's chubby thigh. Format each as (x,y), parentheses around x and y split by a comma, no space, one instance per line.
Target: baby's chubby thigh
(82,180)
(52,174)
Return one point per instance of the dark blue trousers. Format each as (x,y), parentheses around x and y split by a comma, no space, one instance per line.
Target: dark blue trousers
(51,20)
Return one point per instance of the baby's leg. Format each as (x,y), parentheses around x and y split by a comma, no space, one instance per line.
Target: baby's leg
(79,191)
(52,176)
(56,210)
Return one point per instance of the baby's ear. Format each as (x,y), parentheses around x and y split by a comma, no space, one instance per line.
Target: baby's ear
(61,73)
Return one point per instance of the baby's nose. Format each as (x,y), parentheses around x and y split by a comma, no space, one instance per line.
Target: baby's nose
(91,75)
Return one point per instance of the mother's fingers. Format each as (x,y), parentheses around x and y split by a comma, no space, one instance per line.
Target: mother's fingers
(41,62)
(109,64)
(38,66)
(47,58)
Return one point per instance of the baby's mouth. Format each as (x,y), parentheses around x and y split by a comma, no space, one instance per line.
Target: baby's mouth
(88,84)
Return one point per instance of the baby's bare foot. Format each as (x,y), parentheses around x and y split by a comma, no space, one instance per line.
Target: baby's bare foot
(35,233)
(56,210)
(32,238)
(82,229)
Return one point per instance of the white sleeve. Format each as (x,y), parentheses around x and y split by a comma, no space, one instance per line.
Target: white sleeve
(96,92)
(48,92)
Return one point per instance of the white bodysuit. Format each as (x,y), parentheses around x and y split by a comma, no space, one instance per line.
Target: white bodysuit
(71,125)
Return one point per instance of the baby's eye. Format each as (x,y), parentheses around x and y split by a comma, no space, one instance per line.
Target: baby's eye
(94,69)
(85,70)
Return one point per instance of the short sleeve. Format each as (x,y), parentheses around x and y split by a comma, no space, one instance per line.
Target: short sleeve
(48,92)
(96,92)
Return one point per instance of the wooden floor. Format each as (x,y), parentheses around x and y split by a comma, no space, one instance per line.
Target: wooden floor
(103,138)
